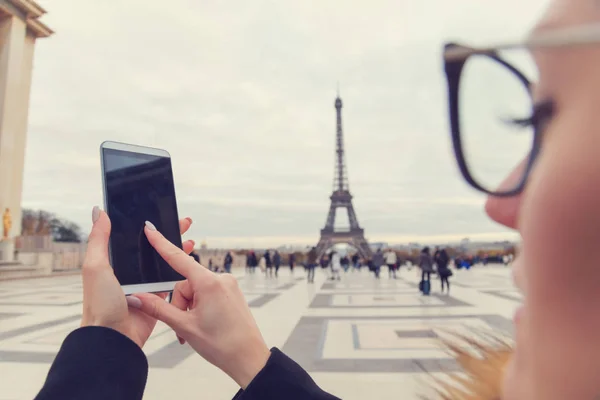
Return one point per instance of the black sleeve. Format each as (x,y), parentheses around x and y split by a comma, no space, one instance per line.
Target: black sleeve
(282,378)
(96,363)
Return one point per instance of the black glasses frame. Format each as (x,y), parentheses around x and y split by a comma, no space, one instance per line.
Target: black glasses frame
(454,67)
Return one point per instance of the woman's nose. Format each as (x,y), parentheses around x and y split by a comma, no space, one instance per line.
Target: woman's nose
(505,210)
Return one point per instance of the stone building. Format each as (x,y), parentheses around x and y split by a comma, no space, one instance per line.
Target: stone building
(20,28)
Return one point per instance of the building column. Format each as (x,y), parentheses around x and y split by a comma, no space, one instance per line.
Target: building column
(16,62)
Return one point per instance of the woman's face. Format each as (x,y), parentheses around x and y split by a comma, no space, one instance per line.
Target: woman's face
(557,353)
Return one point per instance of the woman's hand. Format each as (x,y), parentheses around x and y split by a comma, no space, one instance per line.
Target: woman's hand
(208,311)
(104,302)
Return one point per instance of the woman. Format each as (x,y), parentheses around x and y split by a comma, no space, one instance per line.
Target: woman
(377,262)
(443,270)
(292,261)
(262,264)
(336,265)
(551,199)
(426,265)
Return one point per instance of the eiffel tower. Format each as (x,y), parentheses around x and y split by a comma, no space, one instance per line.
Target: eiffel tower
(341,198)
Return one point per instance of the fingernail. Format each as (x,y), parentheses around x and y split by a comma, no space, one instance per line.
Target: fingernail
(95,214)
(189,219)
(134,302)
(180,340)
(150,226)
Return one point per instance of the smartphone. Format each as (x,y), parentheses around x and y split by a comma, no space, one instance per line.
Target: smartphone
(138,187)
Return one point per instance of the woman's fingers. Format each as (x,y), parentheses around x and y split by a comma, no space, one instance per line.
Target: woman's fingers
(162,295)
(172,254)
(182,299)
(188,246)
(183,294)
(159,309)
(184,225)
(97,250)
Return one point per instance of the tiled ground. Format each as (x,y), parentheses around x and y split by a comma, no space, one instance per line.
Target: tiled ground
(358,337)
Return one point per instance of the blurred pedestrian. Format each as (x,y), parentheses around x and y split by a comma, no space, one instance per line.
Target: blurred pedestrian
(426,265)
(269,264)
(227,262)
(377,262)
(345,263)
(335,265)
(276,262)
(292,262)
(390,260)
(355,262)
(443,269)
(311,264)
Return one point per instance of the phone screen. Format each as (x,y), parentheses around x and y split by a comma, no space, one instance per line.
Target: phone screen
(139,187)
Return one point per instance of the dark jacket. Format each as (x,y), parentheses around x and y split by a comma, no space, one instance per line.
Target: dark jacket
(426,262)
(442,259)
(378,259)
(277,259)
(312,257)
(253,260)
(96,363)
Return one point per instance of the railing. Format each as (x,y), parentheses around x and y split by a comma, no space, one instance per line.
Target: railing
(42,251)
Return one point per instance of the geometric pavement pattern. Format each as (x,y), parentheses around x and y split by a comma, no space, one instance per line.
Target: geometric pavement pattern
(358,325)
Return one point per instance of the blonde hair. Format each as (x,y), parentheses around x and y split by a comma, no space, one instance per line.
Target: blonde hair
(483,360)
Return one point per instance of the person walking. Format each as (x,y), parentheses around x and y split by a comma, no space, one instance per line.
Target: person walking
(311,264)
(345,263)
(378,261)
(335,264)
(390,260)
(262,265)
(277,262)
(443,269)
(249,262)
(227,262)
(269,264)
(253,262)
(292,262)
(355,262)
(324,262)
(426,265)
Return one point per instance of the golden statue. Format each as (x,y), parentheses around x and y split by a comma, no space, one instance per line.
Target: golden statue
(7,222)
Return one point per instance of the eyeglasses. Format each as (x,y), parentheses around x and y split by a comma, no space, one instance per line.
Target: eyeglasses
(493,121)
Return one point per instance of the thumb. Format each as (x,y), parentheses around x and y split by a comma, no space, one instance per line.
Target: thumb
(159,309)
(97,249)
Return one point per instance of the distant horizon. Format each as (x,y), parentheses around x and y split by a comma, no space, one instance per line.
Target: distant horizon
(391,240)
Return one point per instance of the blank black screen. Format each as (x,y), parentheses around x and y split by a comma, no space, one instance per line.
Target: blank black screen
(139,187)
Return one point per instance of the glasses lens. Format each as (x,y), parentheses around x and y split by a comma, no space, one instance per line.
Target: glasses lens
(494,105)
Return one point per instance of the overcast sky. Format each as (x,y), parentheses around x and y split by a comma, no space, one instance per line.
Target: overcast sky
(241,94)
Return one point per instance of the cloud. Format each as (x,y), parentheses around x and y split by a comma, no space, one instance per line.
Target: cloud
(241,94)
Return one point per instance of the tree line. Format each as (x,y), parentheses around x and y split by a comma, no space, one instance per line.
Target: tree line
(44,223)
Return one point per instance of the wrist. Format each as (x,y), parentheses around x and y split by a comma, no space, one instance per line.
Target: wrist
(118,327)
(246,371)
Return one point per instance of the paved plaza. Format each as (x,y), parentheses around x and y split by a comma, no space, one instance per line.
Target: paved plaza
(359,338)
